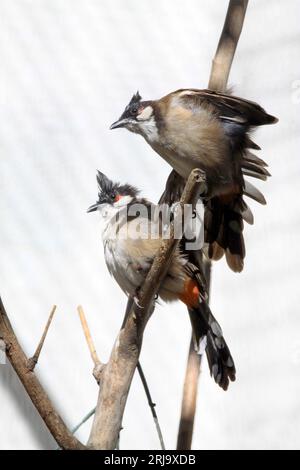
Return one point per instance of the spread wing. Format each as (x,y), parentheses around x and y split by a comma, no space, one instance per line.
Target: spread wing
(237,116)
(228,108)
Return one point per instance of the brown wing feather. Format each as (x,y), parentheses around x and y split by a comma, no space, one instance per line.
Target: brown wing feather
(227,107)
(224,220)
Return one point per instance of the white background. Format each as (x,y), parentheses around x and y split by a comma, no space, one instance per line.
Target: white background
(68,68)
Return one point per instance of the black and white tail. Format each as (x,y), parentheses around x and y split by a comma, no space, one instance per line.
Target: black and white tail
(208,336)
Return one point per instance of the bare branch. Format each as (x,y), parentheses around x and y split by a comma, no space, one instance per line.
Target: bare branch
(98,365)
(189,400)
(227,45)
(84,420)
(218,81)
(32,361)
(33,387)
(119,371)
(88,336)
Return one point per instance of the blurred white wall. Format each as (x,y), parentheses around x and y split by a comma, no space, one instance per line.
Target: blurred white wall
(68,68)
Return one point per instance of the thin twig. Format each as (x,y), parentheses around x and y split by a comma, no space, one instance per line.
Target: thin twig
(88,336)
(87,416)
(218,82)
(84,420)
(118,443)
(151,405)
(98,365)
(32,361)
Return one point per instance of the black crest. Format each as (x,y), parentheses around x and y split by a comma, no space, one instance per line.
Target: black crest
(135,99)
(129,113)
(133,106)
(105,185)
(109,191)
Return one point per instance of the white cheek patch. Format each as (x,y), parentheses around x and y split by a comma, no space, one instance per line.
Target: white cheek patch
(145,114)
(149,129)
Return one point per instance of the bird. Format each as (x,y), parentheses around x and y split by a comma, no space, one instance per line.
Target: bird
(191,128)
(128,223)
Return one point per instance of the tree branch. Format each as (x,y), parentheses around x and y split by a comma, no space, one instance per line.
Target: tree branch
(189,400)
(98,365)
(119,371)
(98,370)
(88,336)
(151,405)
(32,361)
(219,74)
(227,45)
(33,387)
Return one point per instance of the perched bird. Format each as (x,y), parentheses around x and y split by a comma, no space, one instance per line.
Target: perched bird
(128,226)
(203,129)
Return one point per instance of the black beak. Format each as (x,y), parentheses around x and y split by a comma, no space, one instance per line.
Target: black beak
(120,123)
(93,208)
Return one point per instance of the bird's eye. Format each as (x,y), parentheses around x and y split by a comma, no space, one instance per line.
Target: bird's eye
(134,109)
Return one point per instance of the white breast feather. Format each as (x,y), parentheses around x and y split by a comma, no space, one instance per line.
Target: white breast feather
(117,259)
(128,261)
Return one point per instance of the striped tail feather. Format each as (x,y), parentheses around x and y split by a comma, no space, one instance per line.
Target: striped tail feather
(208,336)
(207,333)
